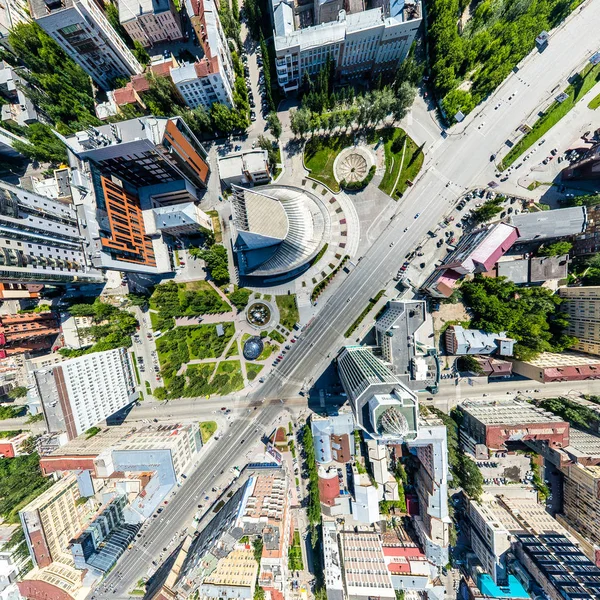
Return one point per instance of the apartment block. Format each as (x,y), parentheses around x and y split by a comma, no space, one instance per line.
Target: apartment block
(361,43)
(564,366)
(27,332)
(582,304)
(494,423)
(19,110)
(382,404)
(150,21)
(461,341)
(212,78)
(81,392)
(234,577)
(81,28)
(40,240)
(12,446)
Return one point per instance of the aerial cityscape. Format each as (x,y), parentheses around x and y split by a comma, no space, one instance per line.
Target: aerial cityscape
(300,300)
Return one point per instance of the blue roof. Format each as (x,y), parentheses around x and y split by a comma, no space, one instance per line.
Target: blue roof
(514,589)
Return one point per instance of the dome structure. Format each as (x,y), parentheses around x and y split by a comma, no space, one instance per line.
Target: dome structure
(253,348)
(278,229)
(393,422)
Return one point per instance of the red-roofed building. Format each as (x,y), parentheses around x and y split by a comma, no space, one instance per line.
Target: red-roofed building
(567,366)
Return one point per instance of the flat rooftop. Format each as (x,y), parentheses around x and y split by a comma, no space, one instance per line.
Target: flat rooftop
(507,412)
(550,223)
(237,569)
(583,444)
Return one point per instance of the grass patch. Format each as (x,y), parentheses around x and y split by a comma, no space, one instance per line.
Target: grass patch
(295,554)
(214,215)
(319,256)
(582,84)
(364,313)
(594,102)
(275,335)
(252,370)
(394,150)
(176,347)
(319,155)
(245,337)
(136,369)
(148,388)
(233,350)
(207,430)
(288,311)
(268,349)
(533,185)
(228,377)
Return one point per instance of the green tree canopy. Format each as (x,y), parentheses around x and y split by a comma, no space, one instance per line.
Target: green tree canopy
(556,249)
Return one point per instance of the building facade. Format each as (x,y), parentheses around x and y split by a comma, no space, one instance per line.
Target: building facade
(81,392)
(40,240)
(27,332)
(582,304)
(150,21)
(564,366)
(359,44)
(81,28)
(211,79)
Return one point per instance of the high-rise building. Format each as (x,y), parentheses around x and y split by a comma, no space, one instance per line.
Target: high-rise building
(582,304)
(144,152)
(27,332)
(382,404)
(40,240)
(211,79)
(81,28)
(361,43)
(81,392)
(150,21)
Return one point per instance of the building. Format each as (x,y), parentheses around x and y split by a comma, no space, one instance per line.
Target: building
(361,43)
(19,110)
(7,141)
(582,304)
(81,392)
(81,28)
(12,446)
(11,562)
(558,566)
(476,252)
(245,168)
(20,291)
(588,242)
(150,22)
(27,332)
(550,224)
(277,230)
(566,366)
(461,341)
(415,363)
(493,423)
(534,270)
(586,167)
(383,406)
(364,567)
(40,240)
(333,438)
(12,13)
(234,577)
(494,368)
(144,152)
(51,520)
(211,79)
(176,220)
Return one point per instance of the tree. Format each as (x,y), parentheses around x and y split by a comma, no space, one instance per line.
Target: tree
(471,364)
(239,298)
(141,53)
(17,392)
(160,393)
(300,121)
(486,212)
(556,249)
(274,124)
(112,14)
(222,118)
(42,145)
(162,98)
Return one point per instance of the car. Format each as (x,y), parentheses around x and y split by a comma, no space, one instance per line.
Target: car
(223,408)
(280,357)
(417,215)
(252,116)
(492,158)
(293,340)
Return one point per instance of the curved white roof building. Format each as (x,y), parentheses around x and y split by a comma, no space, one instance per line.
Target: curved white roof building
(279,229)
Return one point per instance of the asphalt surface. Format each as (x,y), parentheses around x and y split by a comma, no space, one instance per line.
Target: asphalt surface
(218,456)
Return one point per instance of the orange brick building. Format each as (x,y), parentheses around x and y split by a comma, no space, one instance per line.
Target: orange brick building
(27,332)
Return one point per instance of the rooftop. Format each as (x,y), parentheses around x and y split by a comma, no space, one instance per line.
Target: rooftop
(583,444)
(550,224)
(237,569)
(131,9)
(507,412)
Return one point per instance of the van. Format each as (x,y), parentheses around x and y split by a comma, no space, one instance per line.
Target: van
(157,333)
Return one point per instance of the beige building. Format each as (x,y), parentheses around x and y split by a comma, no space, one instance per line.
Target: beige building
(582,304)
(552,366)
(234,577)
(150,21)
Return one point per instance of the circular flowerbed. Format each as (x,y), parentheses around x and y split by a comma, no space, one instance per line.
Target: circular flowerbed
(353,167)
(258,314)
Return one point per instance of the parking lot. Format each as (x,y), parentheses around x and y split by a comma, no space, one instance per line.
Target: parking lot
(503,468)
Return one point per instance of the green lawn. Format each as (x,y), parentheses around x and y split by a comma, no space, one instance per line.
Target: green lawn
(583,83)
(594,102)
(228,377)
(295,554)
(268,349)
(288,311)
(319,154)
(275,335)
(413,161)
(207,429)
(233,350)
(252,370)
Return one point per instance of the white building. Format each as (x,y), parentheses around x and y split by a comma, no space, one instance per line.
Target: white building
(40,240)
(20,110)
(244,168)
(150,21)
(12,12)
(363,43)
(81,28)
(211,79)
(178,219)
(81,392)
